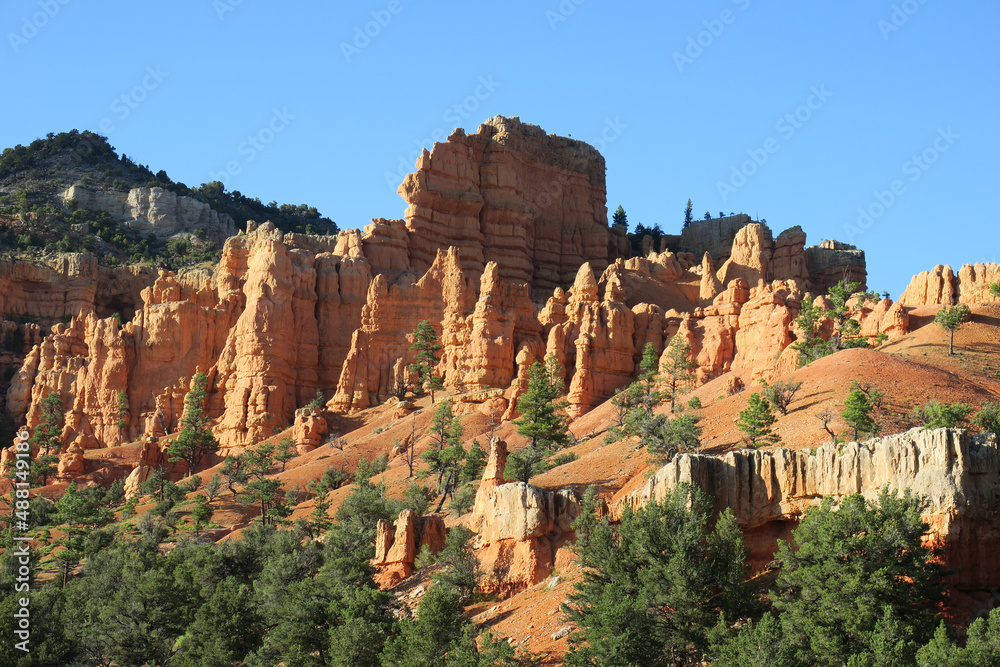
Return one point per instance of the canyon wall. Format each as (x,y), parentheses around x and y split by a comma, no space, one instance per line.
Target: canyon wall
(63,286)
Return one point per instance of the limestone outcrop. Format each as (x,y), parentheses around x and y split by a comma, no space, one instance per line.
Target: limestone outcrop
(518,527)
(941,286)
(714,236)
(753,253)
(155,211)
(769,491)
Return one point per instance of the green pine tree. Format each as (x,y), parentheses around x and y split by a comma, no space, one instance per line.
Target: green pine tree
(810,322)
(988,418)
(858,413)
(195,441)
(677,368)
(851,562)
(46,438)
(951,319)
(446,458)
(123,412)
(426,348)
(655,585)
(756,421)
(541,419)
(619,219)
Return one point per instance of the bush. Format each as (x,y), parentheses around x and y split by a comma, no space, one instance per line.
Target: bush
(564,458)
(935,414)
(988,418)
(694,403)
(780,394)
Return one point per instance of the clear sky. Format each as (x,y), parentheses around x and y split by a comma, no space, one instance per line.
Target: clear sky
(797,112)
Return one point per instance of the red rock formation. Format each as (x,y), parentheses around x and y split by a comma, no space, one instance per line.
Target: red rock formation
(389,315)
(594,345)
(308,430)
(68,285)
(749,257)
(397,545)
(788,261)
(268,366)
(941,286)
(832,261)
(534,203)
(763,329)
(881,317)
(503,321)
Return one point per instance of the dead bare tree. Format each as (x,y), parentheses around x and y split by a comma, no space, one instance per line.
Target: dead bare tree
(826,416)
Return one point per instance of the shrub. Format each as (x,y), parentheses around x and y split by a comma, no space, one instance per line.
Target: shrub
(935,414)
(780,394)
(756,421)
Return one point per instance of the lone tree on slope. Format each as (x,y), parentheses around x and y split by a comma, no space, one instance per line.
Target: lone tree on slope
(950,319)
(756,421)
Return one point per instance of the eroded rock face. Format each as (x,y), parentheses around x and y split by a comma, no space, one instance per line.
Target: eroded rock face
(397,545)
(518,527)
(253,327)
(534,203)
(754,254)
(502,321)
(391,312)
(833,261)
(769,491)
(941,286)
(763,328)
(70,284)
(309,429)
(713,236)
(749,257)
(594,345)
(155,211)
(788,262)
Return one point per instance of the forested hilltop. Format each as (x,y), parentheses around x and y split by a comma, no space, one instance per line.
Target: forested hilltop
(37,218)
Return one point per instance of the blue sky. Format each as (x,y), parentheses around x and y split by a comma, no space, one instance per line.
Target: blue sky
(799,113)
